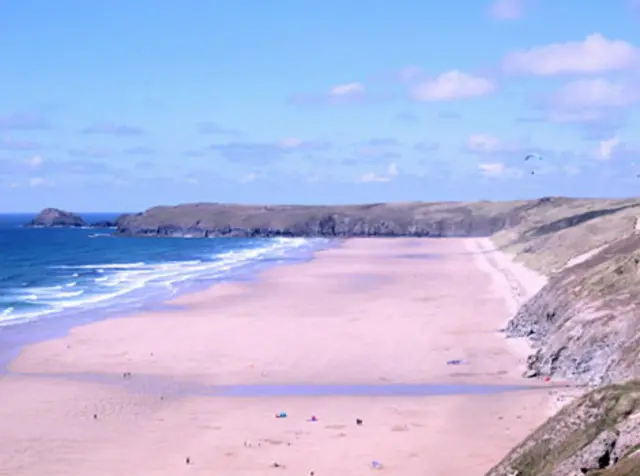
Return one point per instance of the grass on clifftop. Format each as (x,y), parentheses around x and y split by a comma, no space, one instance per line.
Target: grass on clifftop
(562,229)
(573,429)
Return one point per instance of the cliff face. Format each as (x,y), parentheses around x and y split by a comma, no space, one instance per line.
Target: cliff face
(585,326)
(585,321)
(402,219)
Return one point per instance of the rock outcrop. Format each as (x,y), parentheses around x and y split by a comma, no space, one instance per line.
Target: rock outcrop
(104,224)
(54,217)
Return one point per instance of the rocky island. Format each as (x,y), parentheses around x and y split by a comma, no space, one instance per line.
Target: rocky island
(56,218)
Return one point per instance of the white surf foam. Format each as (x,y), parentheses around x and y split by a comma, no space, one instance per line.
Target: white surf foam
(121,279)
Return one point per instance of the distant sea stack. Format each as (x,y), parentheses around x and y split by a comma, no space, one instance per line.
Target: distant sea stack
(104,224)
(54,217)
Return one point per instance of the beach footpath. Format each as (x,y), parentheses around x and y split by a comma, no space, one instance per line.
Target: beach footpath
(378,355)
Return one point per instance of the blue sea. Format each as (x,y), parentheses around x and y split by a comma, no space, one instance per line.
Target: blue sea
(56,273)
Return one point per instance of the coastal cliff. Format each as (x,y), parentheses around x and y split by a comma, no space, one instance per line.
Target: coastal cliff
(584,326)
(384,219)
(420,219)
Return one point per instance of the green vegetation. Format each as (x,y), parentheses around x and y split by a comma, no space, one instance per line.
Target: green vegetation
(550,235)
(576,437)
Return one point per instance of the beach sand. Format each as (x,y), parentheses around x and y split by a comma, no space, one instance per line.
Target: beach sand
(371,312)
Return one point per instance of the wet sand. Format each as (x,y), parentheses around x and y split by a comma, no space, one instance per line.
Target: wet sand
(372,313)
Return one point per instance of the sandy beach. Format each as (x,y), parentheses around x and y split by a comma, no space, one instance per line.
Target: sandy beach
(378,312)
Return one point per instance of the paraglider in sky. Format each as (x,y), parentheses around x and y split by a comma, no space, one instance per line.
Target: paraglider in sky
(533,158)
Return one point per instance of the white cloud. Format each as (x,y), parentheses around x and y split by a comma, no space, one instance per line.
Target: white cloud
(596,101)
(291,143)
(294,144)
(492,169)
(39,182)
(371,177)
(607,147)
(507,9)
(410,73)
(594,93)
(452,85)
(347,91)
(34,162)
(596,54)
(614,149)
(499,170)
(483,144)
(392,172)
(252,177)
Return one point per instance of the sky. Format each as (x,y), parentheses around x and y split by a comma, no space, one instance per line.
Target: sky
(123,105)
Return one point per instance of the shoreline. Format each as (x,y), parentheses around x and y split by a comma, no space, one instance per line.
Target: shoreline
(398,311)
(14,336)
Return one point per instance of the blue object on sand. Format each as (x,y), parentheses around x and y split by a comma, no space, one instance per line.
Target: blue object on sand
(376,465)
(281,415)
(454,362)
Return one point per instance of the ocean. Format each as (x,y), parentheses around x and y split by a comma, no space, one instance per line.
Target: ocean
(61,273)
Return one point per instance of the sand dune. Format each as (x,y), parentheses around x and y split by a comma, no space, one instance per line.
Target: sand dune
(372,312)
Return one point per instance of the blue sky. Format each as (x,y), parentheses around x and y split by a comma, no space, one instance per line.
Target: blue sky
(122,105)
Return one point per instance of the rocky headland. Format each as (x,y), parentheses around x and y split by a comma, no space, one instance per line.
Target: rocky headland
(584,324)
